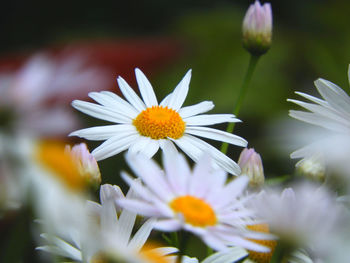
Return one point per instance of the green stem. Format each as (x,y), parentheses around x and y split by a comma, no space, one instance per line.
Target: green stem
(247,78)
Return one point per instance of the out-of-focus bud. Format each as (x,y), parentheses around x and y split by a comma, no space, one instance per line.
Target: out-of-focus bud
(86,163)
(313,168)
(257,28)
(251,165)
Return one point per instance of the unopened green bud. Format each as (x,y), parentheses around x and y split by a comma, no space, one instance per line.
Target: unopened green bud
(257,28)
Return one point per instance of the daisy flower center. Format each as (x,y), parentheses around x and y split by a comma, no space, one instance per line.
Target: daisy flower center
(159,122)
(261,257)
(194,210)
(52,156)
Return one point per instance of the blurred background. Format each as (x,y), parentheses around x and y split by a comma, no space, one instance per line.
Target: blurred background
(46,46)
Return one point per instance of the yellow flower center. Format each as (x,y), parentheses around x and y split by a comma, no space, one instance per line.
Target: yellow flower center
(194,210)
(159,122)
(52,156)
(260,257)
(150,255)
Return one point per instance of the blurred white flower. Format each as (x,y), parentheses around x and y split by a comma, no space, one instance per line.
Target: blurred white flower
(39,91)
(257,28)
(144,126)
(304,218)
(109,235)
(200,201)
(331,118)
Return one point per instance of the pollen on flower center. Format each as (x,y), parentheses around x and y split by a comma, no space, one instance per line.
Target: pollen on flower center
(159,122)
(261,257)
(194,210)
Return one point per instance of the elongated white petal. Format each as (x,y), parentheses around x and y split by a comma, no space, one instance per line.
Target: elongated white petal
(218,135)
(165,250)
(230,255)
(131,95)
(168,225)
(60,247)
(199,108)
(140,207)
(146,89)
(144,145)
(141,236)
(100,112)
(151,174)
(104,132)
(125,225)
(196,147)
(180,92)
(210,119)
(166,100)
(317,120)
(113,146)
(121,103)
(115,102)
(334,95)
(313,99)
(322,111)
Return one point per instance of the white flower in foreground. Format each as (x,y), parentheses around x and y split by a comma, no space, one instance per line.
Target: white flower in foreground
(144,125)
(331,117)
(108,235)
(306,217)
(200,201)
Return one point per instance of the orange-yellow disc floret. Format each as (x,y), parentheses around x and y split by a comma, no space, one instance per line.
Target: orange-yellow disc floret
(53,157)
(160,122)
(194,210)
(260,257)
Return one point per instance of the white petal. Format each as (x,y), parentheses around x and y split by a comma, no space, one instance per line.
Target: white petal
(115,102)
(121,102)
(100,112)
(125,225)
(151,174)
(60,247)
(334,95)
(210,119)
(141,236)
(217,135)
(199,108)
(144,145)
(166,100)
(165,250)
(130,95)
(313,99)
(146,89)
(177,172)
(196,147)
(230,255)
(180,92)
(110,192)
(200,180)
(318,120)
(169,225)
(113,146)
(100,133)
(139,207)
(322,111)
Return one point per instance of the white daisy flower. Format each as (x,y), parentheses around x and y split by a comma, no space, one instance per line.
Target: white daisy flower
(108,235)
(305,218)
(199,201)
(144,125)
(331,119)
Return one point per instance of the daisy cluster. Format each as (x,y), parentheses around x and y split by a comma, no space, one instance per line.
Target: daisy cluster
(186,201)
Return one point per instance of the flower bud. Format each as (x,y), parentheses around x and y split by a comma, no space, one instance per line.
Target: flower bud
(251,165)
(86,163)
(257,28)
(312,167)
